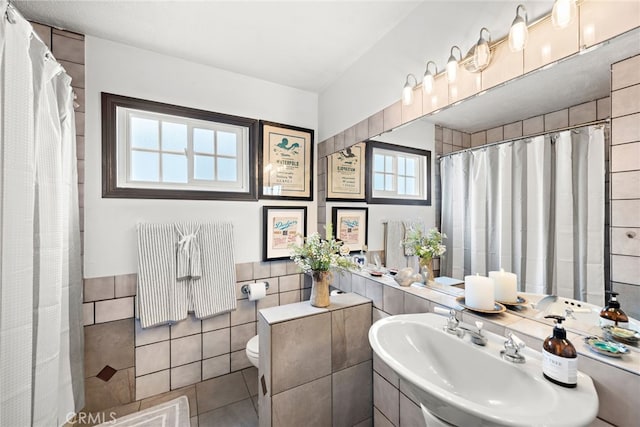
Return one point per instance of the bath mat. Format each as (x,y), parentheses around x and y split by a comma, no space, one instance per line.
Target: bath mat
(174,413)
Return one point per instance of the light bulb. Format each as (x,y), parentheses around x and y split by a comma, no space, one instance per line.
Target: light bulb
(563,13)
(429,78)
(481,54)
(452,65)
(407,94)
(519,33)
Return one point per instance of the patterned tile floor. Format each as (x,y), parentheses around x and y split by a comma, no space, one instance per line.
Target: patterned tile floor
(227,401)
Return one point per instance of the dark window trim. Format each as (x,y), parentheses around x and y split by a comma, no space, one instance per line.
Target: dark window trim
(110,187)
(369,174)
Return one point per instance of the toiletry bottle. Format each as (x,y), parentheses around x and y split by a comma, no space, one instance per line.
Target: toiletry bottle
(612,314)
(559,357)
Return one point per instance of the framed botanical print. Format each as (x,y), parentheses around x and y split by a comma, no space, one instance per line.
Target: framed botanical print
(350,226)
(282,227)
(286,163)
(345,174)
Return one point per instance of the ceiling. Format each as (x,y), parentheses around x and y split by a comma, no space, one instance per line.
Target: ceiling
(301,44)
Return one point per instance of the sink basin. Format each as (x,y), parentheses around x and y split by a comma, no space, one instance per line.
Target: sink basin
(468,385)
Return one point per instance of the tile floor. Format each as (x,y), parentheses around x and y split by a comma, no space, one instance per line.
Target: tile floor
(227,401)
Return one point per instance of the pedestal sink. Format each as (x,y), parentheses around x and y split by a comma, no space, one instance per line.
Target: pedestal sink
(469,385)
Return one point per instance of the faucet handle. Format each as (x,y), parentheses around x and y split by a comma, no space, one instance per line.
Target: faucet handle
(512,347)
(514,342)
(479,325)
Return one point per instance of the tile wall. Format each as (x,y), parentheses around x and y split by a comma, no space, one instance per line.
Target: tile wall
(125,363)
(625,183)
(315,364)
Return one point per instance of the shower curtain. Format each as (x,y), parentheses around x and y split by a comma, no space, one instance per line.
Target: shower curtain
(534,207)
(41,335)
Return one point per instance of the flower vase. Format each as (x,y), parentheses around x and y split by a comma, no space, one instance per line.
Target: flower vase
(320,288)
(426,269)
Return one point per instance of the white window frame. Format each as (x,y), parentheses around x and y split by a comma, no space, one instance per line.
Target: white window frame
(422,177)
(117,111)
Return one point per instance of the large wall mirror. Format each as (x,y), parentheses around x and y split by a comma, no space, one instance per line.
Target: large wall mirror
(578,86)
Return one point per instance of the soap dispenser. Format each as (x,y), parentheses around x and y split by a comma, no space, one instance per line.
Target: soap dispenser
(559,357)
(612,314)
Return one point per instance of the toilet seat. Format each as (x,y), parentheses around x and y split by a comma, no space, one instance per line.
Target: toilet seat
(253,350)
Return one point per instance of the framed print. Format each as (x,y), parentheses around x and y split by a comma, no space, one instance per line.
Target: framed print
(286,163)
(282,226)
(345,174)
(350,226)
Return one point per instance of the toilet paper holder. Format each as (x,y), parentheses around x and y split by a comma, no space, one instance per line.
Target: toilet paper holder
(245,288)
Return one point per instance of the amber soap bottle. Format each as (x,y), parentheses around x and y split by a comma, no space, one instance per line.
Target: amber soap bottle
(559,357)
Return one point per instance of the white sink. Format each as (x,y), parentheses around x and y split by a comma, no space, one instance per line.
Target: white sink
(469,385)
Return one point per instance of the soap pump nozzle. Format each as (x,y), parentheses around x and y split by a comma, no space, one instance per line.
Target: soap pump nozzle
(612,310)
(558,330)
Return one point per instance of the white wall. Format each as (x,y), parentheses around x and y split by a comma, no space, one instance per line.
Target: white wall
(110,238)
(418,134)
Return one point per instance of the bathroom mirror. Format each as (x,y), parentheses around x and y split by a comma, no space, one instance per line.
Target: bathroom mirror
(579,79)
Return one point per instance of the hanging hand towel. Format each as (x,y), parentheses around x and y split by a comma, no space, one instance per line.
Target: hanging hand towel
(188,262)
(215,291)
(161,298)
(393,250)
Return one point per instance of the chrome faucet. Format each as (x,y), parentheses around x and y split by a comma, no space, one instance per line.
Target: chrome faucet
(512,347)
(455,327)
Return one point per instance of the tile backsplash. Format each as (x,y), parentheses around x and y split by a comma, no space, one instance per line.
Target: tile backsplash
(155,360)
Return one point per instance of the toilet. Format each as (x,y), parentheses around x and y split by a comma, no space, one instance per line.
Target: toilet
(253,353)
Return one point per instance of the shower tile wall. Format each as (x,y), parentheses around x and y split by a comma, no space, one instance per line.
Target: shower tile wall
(147,362)
(625,183)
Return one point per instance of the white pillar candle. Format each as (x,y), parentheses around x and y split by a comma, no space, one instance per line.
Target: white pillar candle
(506,287)
(478,292)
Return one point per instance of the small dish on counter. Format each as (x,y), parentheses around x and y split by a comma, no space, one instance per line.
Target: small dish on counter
(497,308)
(623,335)
(520,301)
(393,271)
(607,348)
(376,273)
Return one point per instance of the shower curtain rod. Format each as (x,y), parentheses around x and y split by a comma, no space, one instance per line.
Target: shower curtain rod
(481,147)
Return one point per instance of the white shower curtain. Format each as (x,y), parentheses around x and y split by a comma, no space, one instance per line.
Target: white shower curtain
(534,207)
(41,335)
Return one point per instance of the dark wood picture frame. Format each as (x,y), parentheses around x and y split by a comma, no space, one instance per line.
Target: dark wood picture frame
(110,188)
(360,214)
(371,199)
(281,217)
(346,174)
(287,145)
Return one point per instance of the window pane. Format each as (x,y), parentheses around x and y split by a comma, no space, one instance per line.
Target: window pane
(203,167)
(388,164)
(144,166)
(174,137)
(411,167)
(203,142)
(401,185)
(144,133)
(411,186)
(378,163)
(174,168)
(401,161)
(388,183)
(227,169)
(227,145)
(378,181)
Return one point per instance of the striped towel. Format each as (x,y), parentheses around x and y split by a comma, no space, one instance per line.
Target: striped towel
(215,291)
(393,251)
(188,259)
(162,298)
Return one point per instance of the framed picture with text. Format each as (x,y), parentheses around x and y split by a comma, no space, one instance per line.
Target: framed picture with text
(286,162)
(345,174)
(282,226)
(350,226)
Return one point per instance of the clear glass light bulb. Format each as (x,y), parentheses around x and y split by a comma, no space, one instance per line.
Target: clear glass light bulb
(481,55)
(407,94)
(563,13)
(518,35)
(427,83)
(452,70)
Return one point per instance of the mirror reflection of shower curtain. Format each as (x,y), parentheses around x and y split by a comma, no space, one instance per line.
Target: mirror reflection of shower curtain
(41,332)
(534,207)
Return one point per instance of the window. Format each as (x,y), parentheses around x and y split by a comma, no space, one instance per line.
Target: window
(398,175)
(154,150)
